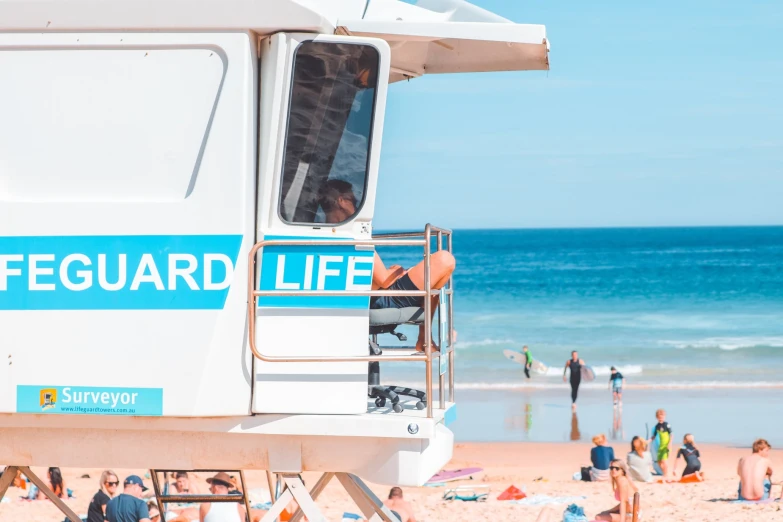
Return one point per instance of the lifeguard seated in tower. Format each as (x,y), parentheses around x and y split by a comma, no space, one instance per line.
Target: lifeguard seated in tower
(339,205)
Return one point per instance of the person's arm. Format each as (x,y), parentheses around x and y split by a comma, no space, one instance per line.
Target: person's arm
(383,277)
(565,370)
(203,509)
(143,513)
(739,467)
(623,499)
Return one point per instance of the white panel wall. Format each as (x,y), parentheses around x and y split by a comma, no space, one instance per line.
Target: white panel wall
(126,135)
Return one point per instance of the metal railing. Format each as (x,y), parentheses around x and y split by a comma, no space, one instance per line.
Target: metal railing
(403,239)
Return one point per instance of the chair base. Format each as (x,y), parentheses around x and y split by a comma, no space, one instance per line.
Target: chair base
(381,394)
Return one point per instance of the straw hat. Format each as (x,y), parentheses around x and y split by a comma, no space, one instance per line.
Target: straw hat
(222,479)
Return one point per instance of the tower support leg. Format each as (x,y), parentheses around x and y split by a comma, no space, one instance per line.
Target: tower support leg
(10,474)
(368,503)
(7,479)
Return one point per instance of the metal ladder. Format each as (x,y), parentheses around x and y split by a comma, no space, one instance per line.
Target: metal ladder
(162,499)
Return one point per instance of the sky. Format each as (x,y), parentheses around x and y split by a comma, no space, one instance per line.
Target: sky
(665,113)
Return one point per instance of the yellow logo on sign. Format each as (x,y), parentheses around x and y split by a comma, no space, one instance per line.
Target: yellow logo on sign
(48,398)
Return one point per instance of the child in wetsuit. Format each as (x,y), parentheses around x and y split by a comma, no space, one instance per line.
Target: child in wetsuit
(690,455)
(528,360)
(616,382)
(663,431)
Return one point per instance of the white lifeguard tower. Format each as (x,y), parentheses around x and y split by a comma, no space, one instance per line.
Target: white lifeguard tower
(173,293)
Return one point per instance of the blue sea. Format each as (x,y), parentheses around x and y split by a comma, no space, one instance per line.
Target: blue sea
(672,308)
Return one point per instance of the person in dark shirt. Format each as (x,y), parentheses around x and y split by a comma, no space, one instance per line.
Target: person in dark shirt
(575,365)
(600,456)
(616,383)
(690,454)
(108,489)
(128,506)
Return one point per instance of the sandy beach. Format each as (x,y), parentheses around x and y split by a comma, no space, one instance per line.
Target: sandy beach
(504,464)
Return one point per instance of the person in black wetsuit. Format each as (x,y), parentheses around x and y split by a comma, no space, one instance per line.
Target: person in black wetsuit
(575,365)
(690,454)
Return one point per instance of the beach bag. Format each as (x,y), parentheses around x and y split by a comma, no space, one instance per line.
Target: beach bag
(586,474)
(574,513)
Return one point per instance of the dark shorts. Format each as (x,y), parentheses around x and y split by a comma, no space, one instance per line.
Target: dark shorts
(393,301)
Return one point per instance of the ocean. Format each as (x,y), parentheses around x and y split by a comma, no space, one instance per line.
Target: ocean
(695,309)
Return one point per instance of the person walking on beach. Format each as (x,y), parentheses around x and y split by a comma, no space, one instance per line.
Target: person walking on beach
(575,365)
(128,506)
(528,360)
(616,383)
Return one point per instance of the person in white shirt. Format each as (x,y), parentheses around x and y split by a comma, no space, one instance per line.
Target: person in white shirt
(220,484)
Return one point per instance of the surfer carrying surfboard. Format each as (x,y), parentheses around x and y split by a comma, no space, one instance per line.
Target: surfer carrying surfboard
(528,361)
(574,364)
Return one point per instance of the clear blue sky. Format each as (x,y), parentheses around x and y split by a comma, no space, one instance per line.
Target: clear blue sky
(653,114)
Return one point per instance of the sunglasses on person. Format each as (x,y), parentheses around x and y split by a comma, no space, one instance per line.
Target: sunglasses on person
(117,483)
(615,468)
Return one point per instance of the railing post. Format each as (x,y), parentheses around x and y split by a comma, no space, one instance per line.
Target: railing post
(441,377)
(451,327)
(428,316)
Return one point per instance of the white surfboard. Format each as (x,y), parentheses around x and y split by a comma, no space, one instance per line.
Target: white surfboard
(587,373)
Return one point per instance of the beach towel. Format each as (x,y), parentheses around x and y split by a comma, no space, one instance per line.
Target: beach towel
(512,493)
(477,493)
(543,500)
(574,513)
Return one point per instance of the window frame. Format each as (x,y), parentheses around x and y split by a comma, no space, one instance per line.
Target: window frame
(281,165)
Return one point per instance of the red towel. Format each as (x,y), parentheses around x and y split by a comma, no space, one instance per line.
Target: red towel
(512,493)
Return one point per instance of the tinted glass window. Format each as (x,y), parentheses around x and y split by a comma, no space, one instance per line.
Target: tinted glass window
(329,132)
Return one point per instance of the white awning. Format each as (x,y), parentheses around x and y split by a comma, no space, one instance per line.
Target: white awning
(448,36)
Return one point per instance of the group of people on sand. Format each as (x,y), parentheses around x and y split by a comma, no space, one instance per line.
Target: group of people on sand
(640,464)
(135,502)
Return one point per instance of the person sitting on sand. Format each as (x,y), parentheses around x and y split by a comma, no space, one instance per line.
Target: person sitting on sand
(56,484)
(640,464)
(339,204)
(183,485)
(623,489)
(690,454)
(152,507)
(220,484)
(755,473)
(109,483)
(601,455)
(400,507)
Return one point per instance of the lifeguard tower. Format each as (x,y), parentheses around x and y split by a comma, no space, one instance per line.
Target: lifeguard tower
(174,293)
